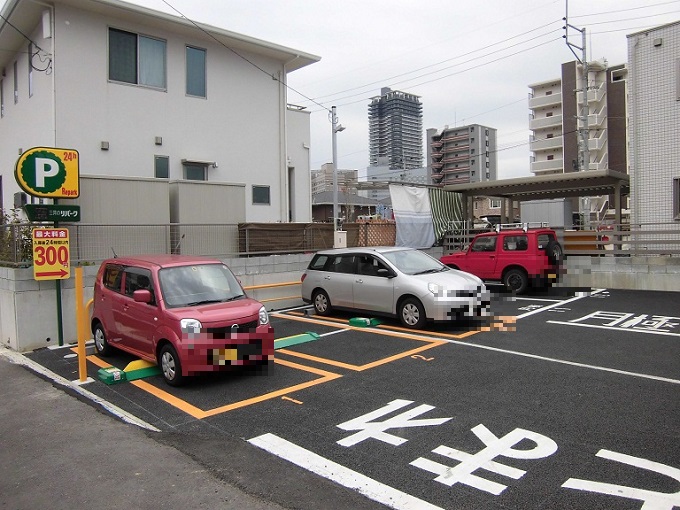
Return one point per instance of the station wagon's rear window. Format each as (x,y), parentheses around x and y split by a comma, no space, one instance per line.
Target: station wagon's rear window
(318,262)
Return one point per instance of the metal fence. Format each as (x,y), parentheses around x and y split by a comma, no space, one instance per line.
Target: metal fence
(90,244)
(644,239)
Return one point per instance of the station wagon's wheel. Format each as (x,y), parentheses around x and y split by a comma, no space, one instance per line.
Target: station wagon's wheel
(171,367)
(412,313)
(516,280)
(322,303)
(101,345)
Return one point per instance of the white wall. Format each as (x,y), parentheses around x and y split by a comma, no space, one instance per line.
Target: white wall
(300,180)
(240,125)
(654,122)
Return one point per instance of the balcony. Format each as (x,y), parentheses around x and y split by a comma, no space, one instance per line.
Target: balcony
(455,138)
(462,169)
(456,159)
(455,148)
(543,101)
(549,166)
(545,122)
(544,144)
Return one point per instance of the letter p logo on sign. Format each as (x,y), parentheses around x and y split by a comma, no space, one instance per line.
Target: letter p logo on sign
(48,172)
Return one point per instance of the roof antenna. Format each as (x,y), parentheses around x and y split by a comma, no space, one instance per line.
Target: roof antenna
(114,253)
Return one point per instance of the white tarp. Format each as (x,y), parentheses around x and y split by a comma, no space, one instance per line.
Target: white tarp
(413,216)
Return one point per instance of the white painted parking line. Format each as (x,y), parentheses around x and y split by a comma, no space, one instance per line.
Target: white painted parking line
(562,361)
(538,299)
(613,328)
(557,304)
(342,475)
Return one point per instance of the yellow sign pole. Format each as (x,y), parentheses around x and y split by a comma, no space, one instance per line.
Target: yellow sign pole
(80,325)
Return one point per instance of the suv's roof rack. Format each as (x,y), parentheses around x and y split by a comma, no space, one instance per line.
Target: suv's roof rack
(524,226)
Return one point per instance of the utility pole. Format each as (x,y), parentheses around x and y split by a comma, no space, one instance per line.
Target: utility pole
(584,132)
(336,128)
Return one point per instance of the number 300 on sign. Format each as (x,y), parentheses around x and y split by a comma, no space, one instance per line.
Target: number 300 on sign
(51,255)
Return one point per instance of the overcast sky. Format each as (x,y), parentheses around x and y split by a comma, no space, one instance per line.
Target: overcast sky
(471,61)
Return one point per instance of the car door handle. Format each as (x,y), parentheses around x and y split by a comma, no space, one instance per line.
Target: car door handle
(326,277)
(358,280)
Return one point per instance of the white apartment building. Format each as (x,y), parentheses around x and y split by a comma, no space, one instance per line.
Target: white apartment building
(146,95)
(554,109)
(654,105)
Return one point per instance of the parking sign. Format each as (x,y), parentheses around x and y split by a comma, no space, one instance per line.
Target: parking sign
(51,254)
(49,172)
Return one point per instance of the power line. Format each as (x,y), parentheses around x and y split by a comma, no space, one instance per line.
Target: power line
(22,34)
(272,76)
(438,63)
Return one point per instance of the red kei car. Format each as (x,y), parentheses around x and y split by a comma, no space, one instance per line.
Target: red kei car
(517,257)
(187,314)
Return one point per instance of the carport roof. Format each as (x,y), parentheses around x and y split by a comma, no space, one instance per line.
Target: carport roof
(571,184)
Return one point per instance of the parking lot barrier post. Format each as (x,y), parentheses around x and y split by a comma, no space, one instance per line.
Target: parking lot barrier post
(80,325)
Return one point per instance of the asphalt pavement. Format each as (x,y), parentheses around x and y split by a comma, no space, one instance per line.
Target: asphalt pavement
(61,452)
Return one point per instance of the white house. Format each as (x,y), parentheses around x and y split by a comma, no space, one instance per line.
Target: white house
(143,94)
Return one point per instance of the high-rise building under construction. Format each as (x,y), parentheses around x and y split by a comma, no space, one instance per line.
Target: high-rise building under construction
(395,129)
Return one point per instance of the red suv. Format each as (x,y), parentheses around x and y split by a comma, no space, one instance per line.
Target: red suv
(187,314)
(518,257)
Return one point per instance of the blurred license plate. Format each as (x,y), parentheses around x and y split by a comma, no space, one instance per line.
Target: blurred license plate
(224,356)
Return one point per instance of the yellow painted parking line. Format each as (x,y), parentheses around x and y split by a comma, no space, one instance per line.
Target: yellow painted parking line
(382,329)
(199,414)
(360,368)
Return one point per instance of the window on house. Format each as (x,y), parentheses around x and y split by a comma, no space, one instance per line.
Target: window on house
(194,172)
(486,132)
(16,83)
(30,70)
(549,114)
(548,93)
(676,198)
(136,59)
(261,195)
(551,157)
(161,167)
(549,135)
(494,203)
(196,72)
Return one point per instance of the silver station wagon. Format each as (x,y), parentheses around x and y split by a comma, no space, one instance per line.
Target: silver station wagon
(392,281)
